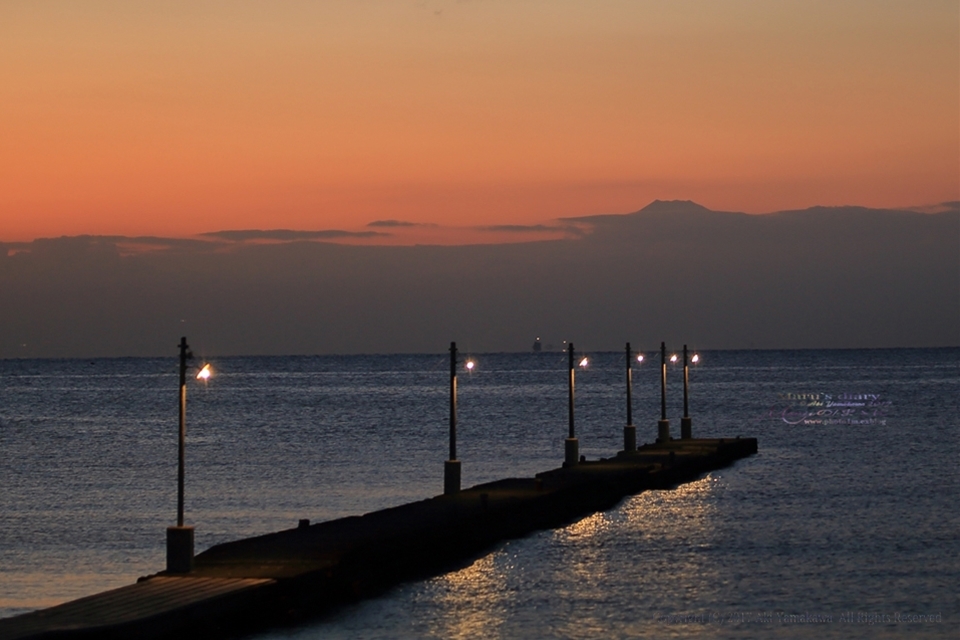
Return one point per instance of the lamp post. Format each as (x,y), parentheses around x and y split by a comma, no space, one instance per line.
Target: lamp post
(663,425)
(629,431)
(451,467)
(571,444)
(686,422)
(180,537)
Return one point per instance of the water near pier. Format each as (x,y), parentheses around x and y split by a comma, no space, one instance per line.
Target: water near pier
(844,525)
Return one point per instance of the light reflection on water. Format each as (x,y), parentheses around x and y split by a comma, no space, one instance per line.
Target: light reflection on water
(473,601)
(826,518)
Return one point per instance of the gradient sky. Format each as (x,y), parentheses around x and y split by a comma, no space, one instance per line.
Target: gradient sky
(176,118)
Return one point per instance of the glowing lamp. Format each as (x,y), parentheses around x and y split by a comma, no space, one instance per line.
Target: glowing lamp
(673,358)
(205,373)
(695,358)
(470,365)
(583,363)
(639,357)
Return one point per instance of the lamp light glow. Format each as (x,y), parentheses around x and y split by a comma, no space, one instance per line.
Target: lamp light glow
(205,373)
(470,364)
(639,357)
(583,363)
(673,358)
(695,358)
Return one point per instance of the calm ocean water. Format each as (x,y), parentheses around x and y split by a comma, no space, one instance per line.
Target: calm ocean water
(845,525)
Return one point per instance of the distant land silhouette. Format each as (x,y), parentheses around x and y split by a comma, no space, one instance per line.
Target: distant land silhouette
(824,277)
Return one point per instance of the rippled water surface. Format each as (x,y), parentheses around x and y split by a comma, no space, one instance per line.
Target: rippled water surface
(844,525)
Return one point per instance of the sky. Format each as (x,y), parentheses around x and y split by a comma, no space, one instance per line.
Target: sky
(182,118)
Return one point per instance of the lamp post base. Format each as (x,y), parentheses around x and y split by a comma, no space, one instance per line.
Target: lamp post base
(629,438)
(451,477)
(686,428)
(663,431)
(179,549)
(572,451)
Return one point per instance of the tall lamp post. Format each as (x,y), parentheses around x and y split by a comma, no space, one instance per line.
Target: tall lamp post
(451,467)
(629,431)
(663,425)
(686,422)
(180,538)
(184,355)
(571,444)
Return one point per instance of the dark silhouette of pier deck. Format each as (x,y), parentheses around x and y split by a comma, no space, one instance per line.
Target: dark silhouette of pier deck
(296,574)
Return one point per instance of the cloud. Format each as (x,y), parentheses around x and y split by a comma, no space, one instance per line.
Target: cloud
(399,223)
(13,248)
(134,245)
(122,245)
(567,229)
(520,228)
(288,235)
(952,206)
(153,244)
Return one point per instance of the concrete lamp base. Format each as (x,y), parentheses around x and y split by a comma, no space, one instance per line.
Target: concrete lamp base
(179,549)
(629,438)
(686,428)
(572,451)
(451,477)
(663,431)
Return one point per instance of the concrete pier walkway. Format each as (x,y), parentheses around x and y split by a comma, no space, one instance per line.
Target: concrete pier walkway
(291,575)
(159,605)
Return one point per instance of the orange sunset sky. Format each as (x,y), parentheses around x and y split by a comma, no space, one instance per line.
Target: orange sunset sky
(176,118)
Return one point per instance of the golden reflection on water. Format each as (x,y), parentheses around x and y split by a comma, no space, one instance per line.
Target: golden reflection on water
(582,573)
(582,547)
(680,514)
(472,600)
(688,509)
(680,527)
(670,532)
(589,526)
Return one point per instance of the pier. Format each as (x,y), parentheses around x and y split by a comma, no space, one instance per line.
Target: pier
(297,574)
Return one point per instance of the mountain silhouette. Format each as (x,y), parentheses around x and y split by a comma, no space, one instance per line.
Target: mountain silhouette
(673,270)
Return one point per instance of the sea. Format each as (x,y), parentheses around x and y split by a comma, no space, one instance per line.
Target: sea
(845,524)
